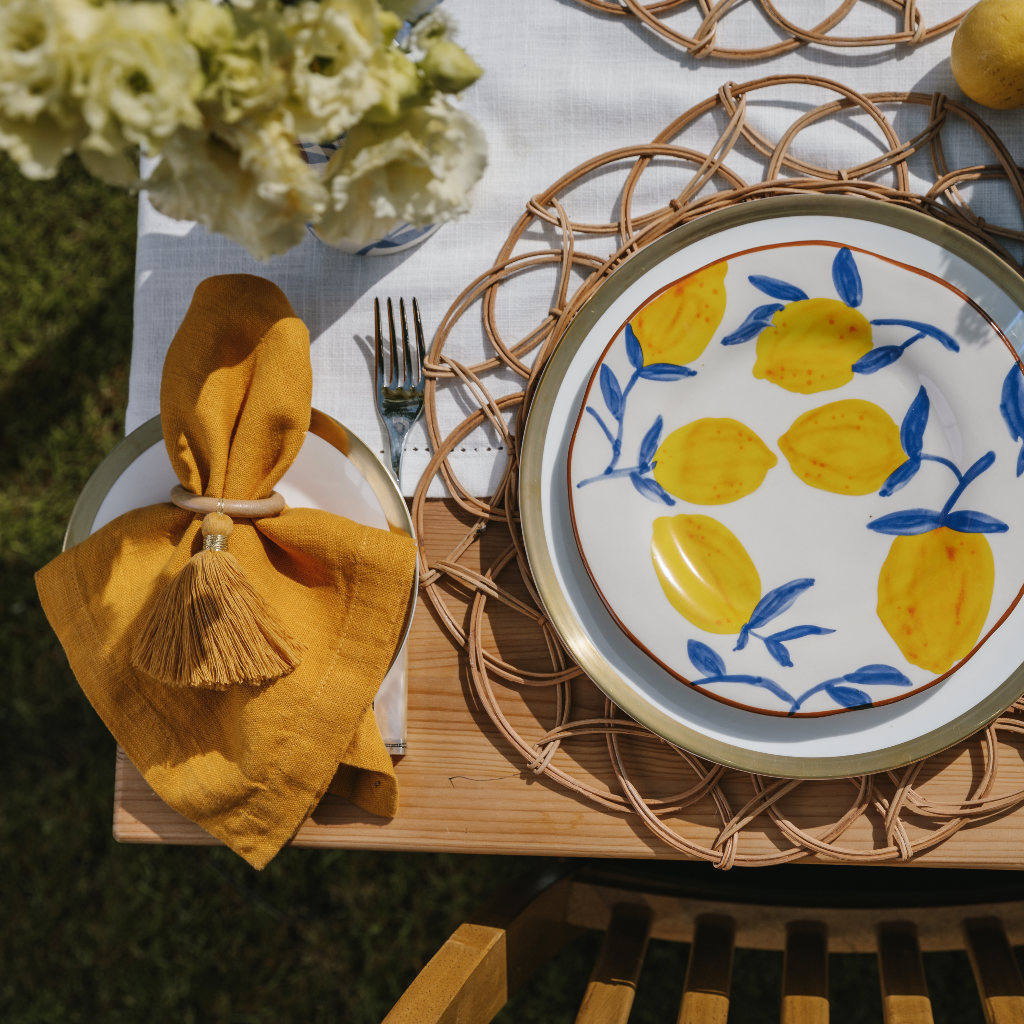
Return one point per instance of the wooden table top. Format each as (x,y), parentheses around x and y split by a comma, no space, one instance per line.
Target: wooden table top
(462,792)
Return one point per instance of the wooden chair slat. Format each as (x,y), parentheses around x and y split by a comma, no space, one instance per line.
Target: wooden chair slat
(612,985)
(496,951)
(995,970)
(471,977)
(805,974)
(709,971)
(901,970)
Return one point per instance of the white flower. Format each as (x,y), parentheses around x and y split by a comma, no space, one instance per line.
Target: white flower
(418,170)
(224,91)
(252,185)
(208,26)
(39,122)
(137,78)
(335,43)
(449,68)
(245,56)
(399,83)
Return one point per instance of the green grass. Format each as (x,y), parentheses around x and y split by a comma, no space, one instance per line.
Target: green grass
(94,931)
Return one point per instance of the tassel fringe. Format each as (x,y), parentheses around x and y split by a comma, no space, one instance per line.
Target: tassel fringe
(211,628)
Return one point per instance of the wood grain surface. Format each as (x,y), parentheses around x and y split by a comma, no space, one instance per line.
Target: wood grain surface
(461,792)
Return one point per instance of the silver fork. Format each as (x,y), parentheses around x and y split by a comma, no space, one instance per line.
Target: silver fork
(400,397)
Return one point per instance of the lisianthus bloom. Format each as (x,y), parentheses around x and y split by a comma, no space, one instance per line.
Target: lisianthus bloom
(39,122)
(248,182)
(138,79)
(418,170)
(245,56)
(334,44)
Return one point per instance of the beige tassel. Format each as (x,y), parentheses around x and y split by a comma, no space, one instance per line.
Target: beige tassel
(210,627)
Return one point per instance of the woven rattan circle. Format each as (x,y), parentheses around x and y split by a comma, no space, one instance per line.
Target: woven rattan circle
(890,795)
(702,43)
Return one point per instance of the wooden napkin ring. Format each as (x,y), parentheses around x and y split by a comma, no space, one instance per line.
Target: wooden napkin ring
(256,509)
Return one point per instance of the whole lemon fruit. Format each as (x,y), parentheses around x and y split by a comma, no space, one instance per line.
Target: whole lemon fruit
(712,461)
(847,447)
(987,57)
(705,572)
(934,593)
(677,326)
(812,346)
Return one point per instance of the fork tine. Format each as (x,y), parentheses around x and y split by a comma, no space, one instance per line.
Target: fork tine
(409,380)
(418,325)
(393,380)
(378,347)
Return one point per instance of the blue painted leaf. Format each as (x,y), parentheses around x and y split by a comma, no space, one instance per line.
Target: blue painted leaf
(914,423)
(796,632)
(777,289)
(977,469)
(610,390)
(765,312)
(877,675)
(873,361)
(1012,404)
(847,696)
(649,445)
(743,639)
(634,352)
(900,477)
(846,278)
(926,329)
(907,523)
(778,652)
(651,489)
(776,601)
(704,659)
(975,522)
(1020,461)
(666,371)
(745,332)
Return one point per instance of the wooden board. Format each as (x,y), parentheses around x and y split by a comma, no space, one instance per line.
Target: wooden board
(462,792)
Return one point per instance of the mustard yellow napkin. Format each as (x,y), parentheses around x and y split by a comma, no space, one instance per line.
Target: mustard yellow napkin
(247,763)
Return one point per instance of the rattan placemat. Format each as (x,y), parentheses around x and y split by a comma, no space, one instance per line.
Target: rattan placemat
(702,43)
(713,186)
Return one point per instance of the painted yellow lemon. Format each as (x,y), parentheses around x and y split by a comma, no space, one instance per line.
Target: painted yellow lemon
(987,56)
(846,447)
(677,326)
(812,346)
(712,461)
(934,593)
(705,572)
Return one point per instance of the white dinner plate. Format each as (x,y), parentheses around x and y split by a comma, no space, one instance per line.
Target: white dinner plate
(733,526)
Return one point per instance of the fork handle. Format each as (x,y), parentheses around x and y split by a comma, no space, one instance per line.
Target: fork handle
(397,431)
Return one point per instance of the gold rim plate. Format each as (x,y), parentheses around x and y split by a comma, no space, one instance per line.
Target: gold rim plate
(540,424)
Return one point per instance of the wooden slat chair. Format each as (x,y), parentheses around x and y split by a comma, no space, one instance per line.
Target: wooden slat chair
(806,911)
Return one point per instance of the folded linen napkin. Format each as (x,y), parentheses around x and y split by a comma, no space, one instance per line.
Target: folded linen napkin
(248,763)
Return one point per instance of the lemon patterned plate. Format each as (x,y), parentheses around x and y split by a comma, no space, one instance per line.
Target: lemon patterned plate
(772,486)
